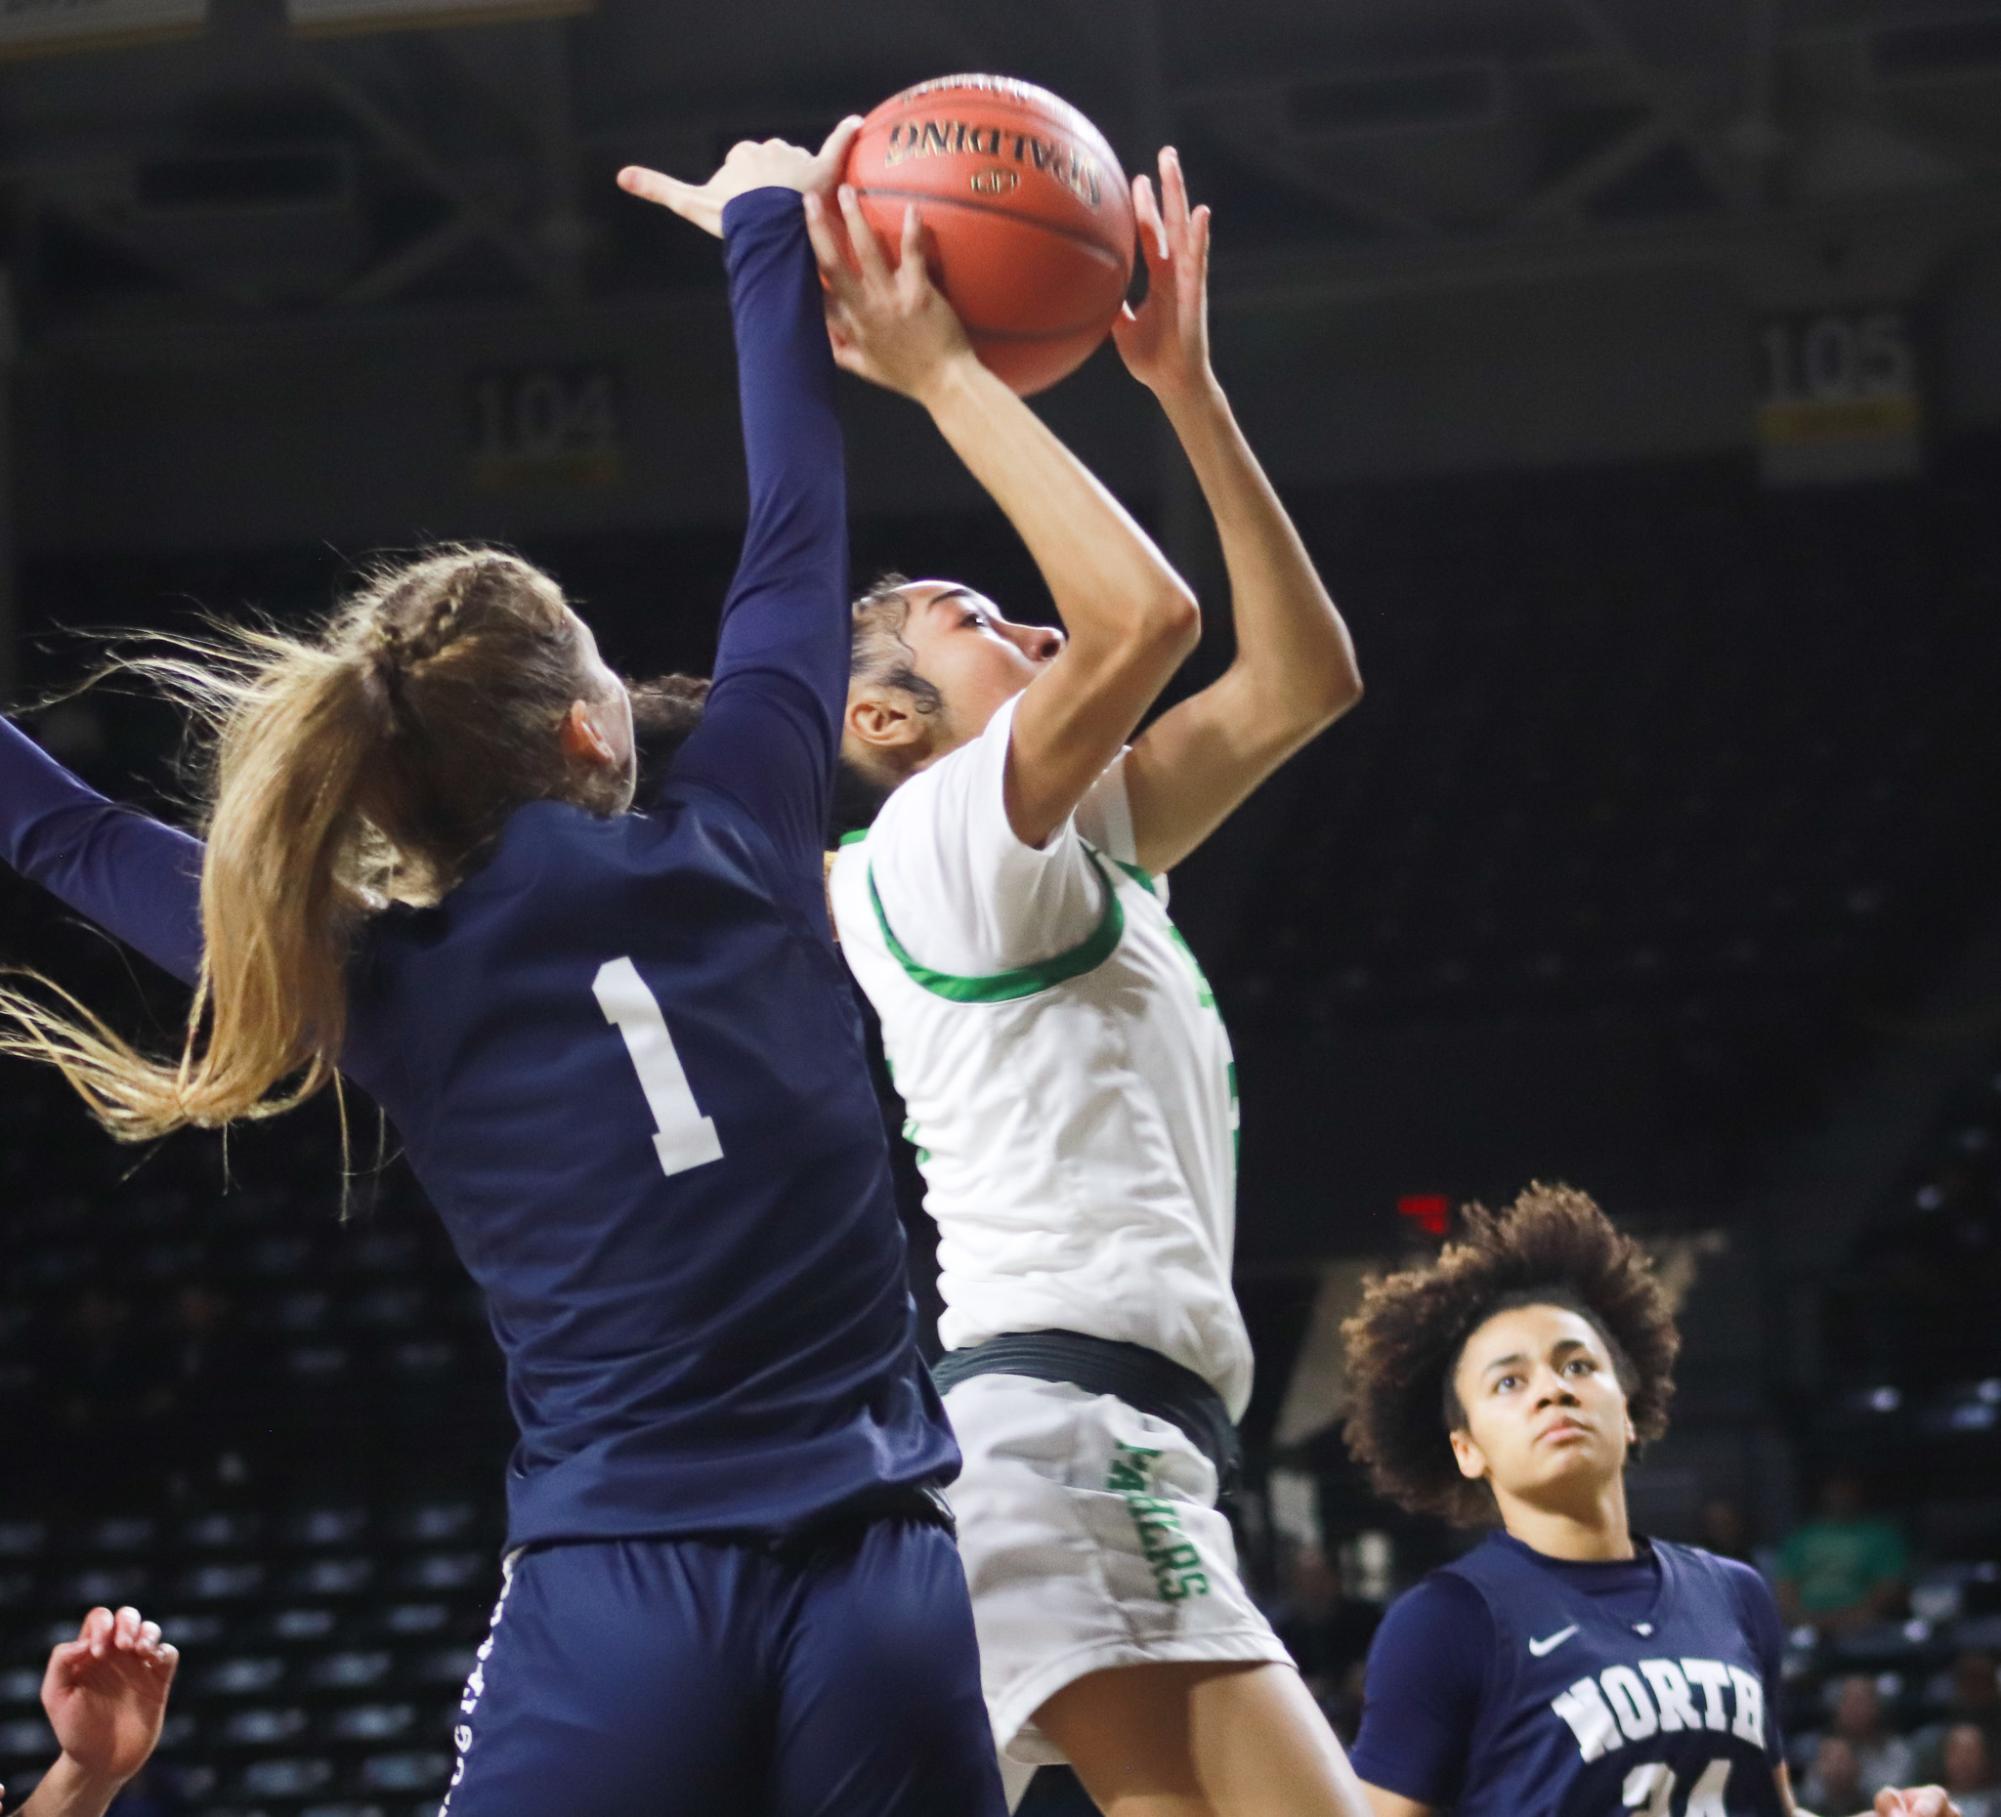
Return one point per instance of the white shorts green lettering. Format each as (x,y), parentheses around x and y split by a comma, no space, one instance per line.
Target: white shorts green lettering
(1175,1562)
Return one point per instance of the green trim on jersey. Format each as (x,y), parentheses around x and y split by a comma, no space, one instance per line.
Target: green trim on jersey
(1026,980)
(1140,875)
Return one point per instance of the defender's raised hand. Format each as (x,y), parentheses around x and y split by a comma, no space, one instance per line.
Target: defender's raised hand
(106,1694)
(751,164)
(1165,342)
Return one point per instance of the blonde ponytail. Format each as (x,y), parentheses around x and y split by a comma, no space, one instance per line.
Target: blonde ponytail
(374,762)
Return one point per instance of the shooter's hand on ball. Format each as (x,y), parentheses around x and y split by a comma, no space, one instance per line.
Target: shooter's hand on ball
(106,1695)
(889,324)
(1165,342)
(751,164)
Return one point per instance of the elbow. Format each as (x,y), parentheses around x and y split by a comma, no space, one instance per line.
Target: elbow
(1299,707)
(1173,620)
(1336,692)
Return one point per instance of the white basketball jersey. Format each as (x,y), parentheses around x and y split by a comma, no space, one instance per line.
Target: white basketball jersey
(1067,1077)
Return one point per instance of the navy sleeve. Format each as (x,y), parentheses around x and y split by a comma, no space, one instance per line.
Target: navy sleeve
(137,878)
(133,876)
(1767,1633)
(1421,1693)
(771,730)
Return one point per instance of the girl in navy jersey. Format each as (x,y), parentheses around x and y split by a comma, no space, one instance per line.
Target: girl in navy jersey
(620,1051)
(1565,1666)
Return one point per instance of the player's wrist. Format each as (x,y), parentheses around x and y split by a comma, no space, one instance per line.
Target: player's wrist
(951,379)
(1191,392)
(74,1788)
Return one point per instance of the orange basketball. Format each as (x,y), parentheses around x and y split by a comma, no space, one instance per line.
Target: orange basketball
(1030,215)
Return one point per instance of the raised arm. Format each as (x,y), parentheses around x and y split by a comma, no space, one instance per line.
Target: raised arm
(106,1695)
(771,730)
(1294,672)
(130,875)
(1131,619)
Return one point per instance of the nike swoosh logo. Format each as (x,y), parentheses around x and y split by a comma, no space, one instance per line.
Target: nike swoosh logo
(1540,1647)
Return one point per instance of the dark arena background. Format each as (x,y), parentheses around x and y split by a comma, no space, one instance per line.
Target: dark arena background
(1634,372)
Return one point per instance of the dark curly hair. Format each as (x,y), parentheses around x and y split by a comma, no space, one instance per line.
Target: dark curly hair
(1552,1247)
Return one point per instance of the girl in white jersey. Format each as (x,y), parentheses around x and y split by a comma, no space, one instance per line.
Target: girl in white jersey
(1067,1076)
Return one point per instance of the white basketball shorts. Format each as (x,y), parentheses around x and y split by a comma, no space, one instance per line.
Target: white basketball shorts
(1091,1539)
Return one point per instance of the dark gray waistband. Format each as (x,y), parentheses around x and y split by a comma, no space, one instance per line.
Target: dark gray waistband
(1138,1376)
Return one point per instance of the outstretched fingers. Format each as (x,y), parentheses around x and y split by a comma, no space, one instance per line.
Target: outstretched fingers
(1173,195)
(122,1639)
(692,202)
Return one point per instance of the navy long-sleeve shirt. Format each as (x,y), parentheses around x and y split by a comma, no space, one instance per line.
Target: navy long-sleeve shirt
(622,1054)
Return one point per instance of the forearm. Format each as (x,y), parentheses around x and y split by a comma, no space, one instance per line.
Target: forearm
(132,876)
(785,372)
(1103,571)
(69,1790)
(1293,646)
(787,603)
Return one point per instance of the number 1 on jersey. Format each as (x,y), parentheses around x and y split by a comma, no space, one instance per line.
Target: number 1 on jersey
(683,1137)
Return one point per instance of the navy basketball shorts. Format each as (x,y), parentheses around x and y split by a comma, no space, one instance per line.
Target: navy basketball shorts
(657,1677)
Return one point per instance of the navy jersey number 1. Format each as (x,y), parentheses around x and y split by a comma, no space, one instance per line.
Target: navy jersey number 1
(682,1137)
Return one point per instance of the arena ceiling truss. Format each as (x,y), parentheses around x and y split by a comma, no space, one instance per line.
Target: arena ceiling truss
(1380,144)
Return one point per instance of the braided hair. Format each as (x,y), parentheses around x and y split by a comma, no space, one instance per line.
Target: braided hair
(373,760)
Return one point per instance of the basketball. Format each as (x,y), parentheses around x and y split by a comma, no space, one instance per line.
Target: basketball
(1030,216)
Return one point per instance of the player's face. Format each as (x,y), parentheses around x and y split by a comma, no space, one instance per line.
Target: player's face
(973,656)
(1544,1410)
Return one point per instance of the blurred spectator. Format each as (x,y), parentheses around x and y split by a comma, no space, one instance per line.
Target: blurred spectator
(203,1377)
(1834,1781)
(1326,1630)
(199,1354)
(1343,1704)
(1881,1757)
(1845,1568)
(1966,1770)
(1722,1527)
(97,1374)
(1975,1698)
(198,1331)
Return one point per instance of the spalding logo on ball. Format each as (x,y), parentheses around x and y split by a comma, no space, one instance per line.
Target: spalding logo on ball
(1030,216)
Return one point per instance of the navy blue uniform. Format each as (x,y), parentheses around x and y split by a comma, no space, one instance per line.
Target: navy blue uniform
(1507,1684)
(626,1066)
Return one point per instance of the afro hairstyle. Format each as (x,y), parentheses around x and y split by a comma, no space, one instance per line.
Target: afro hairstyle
(1553,1246)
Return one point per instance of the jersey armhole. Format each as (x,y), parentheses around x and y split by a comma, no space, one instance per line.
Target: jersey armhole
(1021,981)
